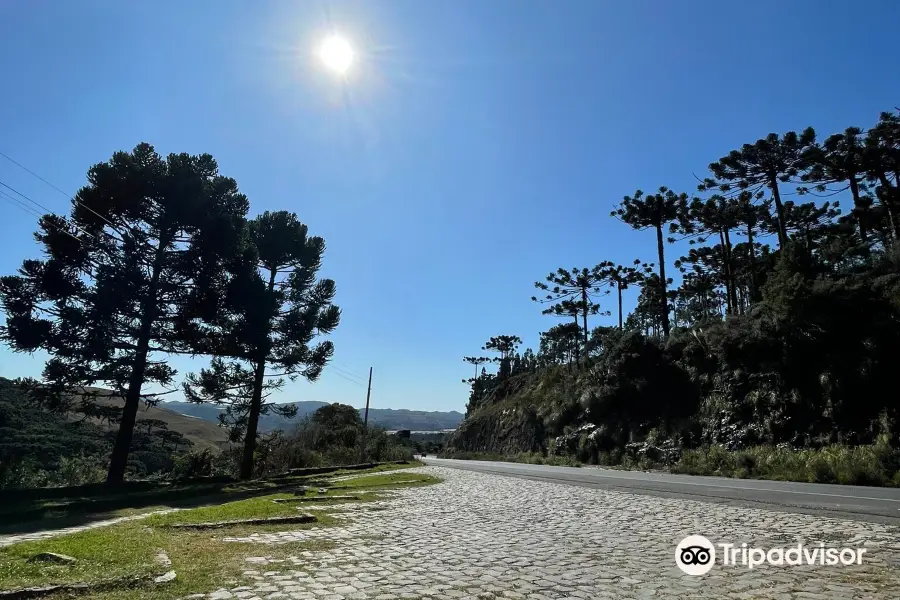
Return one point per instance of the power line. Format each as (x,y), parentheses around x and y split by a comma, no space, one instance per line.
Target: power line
(19,204)
(348,379)
(18,193)
(22,206)
(23,167)
(46,210)
(348,368)
(68,196)
(347,373)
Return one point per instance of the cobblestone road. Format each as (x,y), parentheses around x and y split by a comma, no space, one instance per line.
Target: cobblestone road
(485,536)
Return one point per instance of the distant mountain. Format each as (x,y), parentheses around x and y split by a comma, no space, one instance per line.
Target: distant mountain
(388,418)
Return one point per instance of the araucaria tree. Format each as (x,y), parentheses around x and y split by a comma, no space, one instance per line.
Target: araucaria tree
(274,309)
(764,164)
(576,287)
(506,346)
(125,280)
(841,159)
(477,361)
(654,211)
(622,278)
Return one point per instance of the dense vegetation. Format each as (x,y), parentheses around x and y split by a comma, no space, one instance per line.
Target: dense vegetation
(42,448)
(333,435)
(780,334)
(158,257)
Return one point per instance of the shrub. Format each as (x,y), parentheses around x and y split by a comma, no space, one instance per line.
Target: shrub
(875,464)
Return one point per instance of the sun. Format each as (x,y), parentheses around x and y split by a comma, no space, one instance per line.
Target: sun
(336,54)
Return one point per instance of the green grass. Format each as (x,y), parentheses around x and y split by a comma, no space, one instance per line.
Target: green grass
(877,464)
(533,458)
(201,559)
(381,481)
(22,511)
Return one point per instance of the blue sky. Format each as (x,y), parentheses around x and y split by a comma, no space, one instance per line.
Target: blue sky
(474,147)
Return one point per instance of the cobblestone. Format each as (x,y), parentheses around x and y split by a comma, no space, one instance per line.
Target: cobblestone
(491,537)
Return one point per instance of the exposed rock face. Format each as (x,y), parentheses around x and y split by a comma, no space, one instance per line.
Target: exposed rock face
(524,413)
(509,430)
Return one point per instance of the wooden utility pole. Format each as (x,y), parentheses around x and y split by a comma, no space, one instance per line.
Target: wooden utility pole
(362,450)
(368,394)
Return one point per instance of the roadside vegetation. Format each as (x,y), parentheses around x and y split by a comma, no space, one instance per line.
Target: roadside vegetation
(201,559)
(763,347)
(45,448)
(532,458)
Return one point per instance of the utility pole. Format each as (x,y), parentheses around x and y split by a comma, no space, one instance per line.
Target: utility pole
(368,394)
(362,450)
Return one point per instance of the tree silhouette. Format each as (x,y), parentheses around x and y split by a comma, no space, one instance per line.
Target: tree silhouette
(276,310)
(772,160)
(655,211)
(882,160)
(477,361)
(150,424)
(567,289)
(505,345)
(559,344)
(718,216)
(622,278)
(841,158)
(127,277)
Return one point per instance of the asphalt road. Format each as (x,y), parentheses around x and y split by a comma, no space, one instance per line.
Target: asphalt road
(879,505)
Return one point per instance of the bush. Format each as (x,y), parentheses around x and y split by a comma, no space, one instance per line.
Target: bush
(875,464)
(194,464)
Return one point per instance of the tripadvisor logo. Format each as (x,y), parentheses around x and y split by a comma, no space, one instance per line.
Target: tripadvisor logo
(696,555)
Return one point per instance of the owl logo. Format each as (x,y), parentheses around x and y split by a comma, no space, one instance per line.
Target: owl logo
(695,555)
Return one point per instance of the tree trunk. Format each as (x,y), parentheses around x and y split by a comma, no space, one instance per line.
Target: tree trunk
(619,290)
(779,212)
(584,299)
(859,209)
(891,201)
(726,274)
(729,272)
(119,460)
(577,352)
(253,420)
(754,286)
(664,302)
(256,400)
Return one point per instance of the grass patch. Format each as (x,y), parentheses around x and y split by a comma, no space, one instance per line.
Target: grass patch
(23,511)
(876,465)
(201,559)
(532,458)
(381,481)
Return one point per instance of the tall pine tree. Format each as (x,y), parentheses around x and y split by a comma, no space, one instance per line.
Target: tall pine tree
(274,309)
(126,278)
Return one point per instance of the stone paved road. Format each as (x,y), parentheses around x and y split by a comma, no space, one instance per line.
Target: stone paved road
(486,536)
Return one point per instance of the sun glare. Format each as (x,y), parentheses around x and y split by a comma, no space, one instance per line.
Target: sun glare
(336,54)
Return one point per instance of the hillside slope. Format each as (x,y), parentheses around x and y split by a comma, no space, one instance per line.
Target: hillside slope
(199,431)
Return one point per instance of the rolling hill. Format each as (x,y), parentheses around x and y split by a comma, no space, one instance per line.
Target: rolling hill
(200,431)
(388,418)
